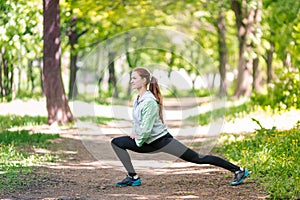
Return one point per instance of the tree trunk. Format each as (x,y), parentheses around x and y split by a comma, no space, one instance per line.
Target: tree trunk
(57,101)
(131,66)
(19,78)
(244,23)
(11,83)
(30,75)
(1,85)
(73,90)
(112,81)
(73,40)
(256,84)
(222,47)
(7,80)
(270,53)
(41,76)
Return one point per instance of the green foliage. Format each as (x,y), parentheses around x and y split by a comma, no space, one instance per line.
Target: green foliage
(8,121)
(282,95)
(25,95)
(20,41)
(271,155)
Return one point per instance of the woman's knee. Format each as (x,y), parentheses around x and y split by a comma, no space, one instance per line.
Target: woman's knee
(116,141)
(119,141)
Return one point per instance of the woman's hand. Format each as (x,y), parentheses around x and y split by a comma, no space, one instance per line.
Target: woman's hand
(133,136)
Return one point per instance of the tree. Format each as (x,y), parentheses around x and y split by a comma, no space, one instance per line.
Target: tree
(57,102)
(73,40)
(255,43)
(222,47)
(244,16)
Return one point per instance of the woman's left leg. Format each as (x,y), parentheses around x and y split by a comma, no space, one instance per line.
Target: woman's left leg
(120,146)
(124,143)
(178,149)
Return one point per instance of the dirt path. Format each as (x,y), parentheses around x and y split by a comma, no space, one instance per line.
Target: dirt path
(88,168)
(80,176)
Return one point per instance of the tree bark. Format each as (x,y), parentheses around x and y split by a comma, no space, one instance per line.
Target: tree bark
(73,40)
(30,75)
(41,76)
(112,81)
(222,47)
(6,76)
(1,64)
(73,90)
(57,101)
(270,53)
(244,23)
(256,84)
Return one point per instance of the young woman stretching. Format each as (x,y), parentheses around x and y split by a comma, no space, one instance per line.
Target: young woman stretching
(150,134)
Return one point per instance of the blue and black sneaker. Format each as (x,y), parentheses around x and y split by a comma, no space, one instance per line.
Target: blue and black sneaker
(129,181)
(239,177)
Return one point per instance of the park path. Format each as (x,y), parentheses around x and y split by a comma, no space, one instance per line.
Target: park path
(89,168)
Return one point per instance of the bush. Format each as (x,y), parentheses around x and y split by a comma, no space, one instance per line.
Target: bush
(284,94)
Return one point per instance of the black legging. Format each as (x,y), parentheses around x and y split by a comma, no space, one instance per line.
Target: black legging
(169,145)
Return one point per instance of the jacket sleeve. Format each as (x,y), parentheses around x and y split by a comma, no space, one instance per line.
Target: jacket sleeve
(149,115)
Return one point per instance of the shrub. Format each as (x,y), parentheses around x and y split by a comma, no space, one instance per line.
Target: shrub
(284,94)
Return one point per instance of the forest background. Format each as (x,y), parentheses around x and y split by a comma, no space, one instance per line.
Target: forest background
(253,47)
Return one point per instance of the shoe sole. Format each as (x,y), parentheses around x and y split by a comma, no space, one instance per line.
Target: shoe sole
(237,183)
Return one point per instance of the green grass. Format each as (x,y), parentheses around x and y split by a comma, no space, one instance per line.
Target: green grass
(22,137)
(9,121)
(16,158)
(98,120)
(273,157)
(229,113)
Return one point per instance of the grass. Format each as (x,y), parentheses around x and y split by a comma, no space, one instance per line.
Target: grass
(16,156)
(16,149)
(15,162)
(9,121)
(22,137)
(273,157)
(230,113)
(98,120)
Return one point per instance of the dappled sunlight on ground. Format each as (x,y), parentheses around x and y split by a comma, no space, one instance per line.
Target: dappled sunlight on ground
(88,169)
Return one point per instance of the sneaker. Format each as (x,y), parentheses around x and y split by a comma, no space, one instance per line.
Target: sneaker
(239,177)
(129,181)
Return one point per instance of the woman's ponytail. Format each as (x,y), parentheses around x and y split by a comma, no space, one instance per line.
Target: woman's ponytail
(154,88)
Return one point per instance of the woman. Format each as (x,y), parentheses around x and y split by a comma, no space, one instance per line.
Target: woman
(150,134)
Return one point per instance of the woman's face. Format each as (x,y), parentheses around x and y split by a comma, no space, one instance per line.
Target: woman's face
(137,81)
